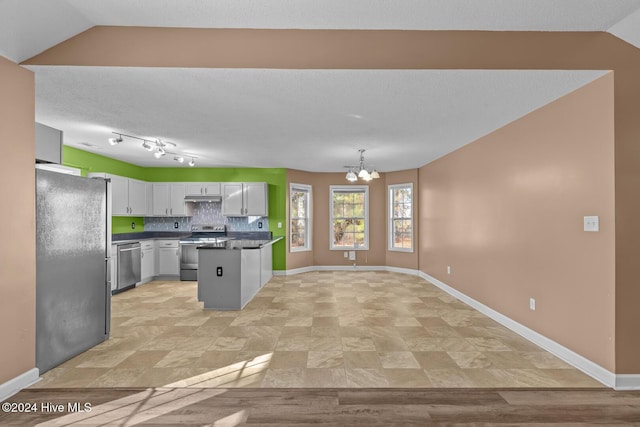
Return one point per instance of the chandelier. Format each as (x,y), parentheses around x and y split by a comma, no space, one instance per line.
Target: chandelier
(361,171)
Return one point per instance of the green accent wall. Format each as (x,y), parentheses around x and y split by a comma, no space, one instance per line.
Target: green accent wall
(122,224)
(90,162)
(275,177)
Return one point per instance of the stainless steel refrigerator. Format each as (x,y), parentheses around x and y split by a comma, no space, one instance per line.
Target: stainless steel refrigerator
(73,245)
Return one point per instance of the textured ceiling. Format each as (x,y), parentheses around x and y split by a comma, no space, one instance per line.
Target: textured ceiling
(312,120)
(303,119)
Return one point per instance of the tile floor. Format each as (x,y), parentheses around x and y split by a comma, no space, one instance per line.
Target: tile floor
(322,329)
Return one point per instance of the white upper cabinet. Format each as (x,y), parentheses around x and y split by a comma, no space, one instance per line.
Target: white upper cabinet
(168,199)
(245,199)
(137,197)
(128,196)
(203,189)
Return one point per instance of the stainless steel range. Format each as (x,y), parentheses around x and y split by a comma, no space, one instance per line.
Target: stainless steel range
(200,235)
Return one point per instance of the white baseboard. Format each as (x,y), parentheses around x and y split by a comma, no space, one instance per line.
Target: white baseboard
(16,384)
(345,268)
(606,377)
(627,382)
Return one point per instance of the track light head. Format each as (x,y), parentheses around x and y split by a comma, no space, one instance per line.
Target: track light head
(192,162)
(115,141)
(147,146)
(178,159)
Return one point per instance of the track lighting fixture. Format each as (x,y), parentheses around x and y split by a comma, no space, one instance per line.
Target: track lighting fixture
(158,147)
(159,152)
(115,141)
(362,172)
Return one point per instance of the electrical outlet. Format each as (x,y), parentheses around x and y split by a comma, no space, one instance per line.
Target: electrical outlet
(133,225)
(260,224)
(279,225)
(346,254)
(532,304)
(448,269)
(176,225)
(352,255)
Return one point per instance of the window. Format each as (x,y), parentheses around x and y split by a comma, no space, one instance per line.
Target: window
(401,217)
(349,217)
(300,217)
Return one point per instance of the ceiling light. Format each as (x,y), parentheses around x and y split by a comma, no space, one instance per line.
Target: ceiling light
(363,173)
(159,152)
(192,162)
(158,147)
(351,176)
(115,141)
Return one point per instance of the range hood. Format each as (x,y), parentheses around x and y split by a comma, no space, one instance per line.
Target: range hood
(203,198)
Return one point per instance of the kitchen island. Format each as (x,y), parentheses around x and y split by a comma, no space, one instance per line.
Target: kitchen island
(231,273)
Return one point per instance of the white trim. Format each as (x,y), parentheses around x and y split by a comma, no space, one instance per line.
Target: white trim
(353,188)
(409,271)
(309,229)
(574,359)
(345,268)
(390,189)
(16,384)
(627,382)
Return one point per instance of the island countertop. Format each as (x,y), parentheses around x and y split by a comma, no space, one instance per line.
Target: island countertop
(240,244)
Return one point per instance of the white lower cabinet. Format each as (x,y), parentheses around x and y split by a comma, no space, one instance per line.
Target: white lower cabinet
(148,262)
(168,258)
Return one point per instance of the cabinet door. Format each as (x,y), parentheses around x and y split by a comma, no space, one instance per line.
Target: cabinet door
(119,195)
(211,188)
(147,265)
(232,199)
(177,205)
(195,189)
(255,198)
(149,190)
(137,197)
(161,199)
(168,261)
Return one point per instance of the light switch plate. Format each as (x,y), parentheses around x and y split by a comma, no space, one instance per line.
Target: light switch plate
(591,223)
(352,255)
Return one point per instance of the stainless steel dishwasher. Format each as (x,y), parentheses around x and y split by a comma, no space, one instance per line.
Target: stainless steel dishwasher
(129,263)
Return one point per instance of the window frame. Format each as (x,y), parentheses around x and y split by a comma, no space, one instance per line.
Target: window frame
(309,218)
(356,188)
(391,217)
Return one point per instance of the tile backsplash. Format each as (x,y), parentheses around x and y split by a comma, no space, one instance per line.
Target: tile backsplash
(205,213)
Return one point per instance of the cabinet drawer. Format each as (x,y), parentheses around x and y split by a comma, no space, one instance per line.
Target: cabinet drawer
(146,245)
(168,243)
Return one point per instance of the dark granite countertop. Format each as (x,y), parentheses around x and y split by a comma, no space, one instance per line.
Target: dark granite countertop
(145,235)
(149,235)
(240,244)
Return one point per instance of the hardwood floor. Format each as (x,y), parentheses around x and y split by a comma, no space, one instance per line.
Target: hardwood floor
(329,406)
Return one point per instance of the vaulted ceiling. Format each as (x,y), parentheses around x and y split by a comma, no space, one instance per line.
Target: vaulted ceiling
(310,119)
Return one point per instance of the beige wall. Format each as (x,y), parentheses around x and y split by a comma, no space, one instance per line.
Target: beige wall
(506,213)
(17,222)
